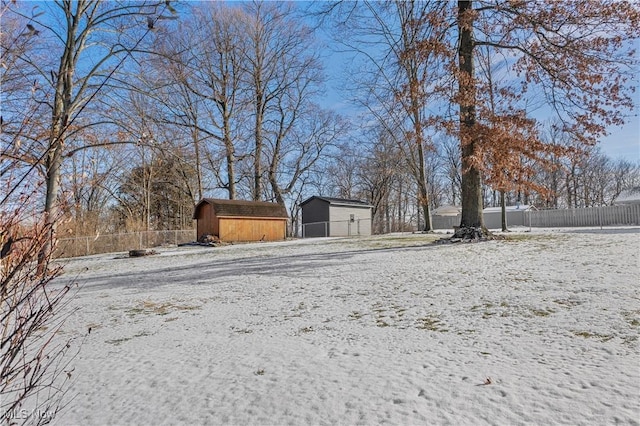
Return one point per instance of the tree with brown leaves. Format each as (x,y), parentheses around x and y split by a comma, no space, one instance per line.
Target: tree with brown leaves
(576,56)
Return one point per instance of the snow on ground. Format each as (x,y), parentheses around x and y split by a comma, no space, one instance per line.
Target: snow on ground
(539,329)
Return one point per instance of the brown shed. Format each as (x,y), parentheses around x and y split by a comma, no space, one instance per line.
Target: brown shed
(237,220)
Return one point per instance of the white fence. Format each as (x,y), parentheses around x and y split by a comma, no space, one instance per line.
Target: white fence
(83,246)
(590,216)
(337,228)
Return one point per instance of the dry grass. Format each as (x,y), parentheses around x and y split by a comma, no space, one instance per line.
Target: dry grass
(150,307)
(431,323)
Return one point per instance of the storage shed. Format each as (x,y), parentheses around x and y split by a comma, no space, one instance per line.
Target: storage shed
(335,217)
(237,220)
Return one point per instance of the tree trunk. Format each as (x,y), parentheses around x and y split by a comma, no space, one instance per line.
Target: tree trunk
(422,181)
(54,161)
(387,217)
(471,178)
(231,163)
(471,192)
(196,146)
(60,116)
(257,158)
(424,204)
(503,211)
(60,120)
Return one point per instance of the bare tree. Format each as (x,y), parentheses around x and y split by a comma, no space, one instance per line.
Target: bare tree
(203,89)
(87,177)
(626,175)
(66,90)
(377,174)
(273,52)
(399,85)
(585,177)
(252,63)
(283,74)
(300,142)
(450,153)
(374,169)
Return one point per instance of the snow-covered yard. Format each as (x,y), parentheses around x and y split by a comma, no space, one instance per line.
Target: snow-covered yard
(539,329)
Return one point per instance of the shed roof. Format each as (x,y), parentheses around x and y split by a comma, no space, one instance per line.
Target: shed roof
(339,201)
(447,211)
(242,208)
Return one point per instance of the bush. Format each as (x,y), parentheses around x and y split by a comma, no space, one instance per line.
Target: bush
(34,361)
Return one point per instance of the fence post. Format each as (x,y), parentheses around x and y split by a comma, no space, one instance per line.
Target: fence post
(599,218)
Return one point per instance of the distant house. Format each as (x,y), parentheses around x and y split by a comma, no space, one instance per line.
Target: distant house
(515,216)
(448,217)
(335,217)
(628,196)
(447,210)
(237,220)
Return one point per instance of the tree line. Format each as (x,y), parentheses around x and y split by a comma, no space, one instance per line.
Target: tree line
(129,112)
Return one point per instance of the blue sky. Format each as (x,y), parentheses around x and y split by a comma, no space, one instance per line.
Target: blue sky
(624,142)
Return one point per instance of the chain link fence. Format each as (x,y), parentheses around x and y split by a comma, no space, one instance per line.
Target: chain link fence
(337,228)
(84,246)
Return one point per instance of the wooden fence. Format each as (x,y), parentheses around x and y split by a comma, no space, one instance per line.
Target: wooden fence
(84,246)
(624,215)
